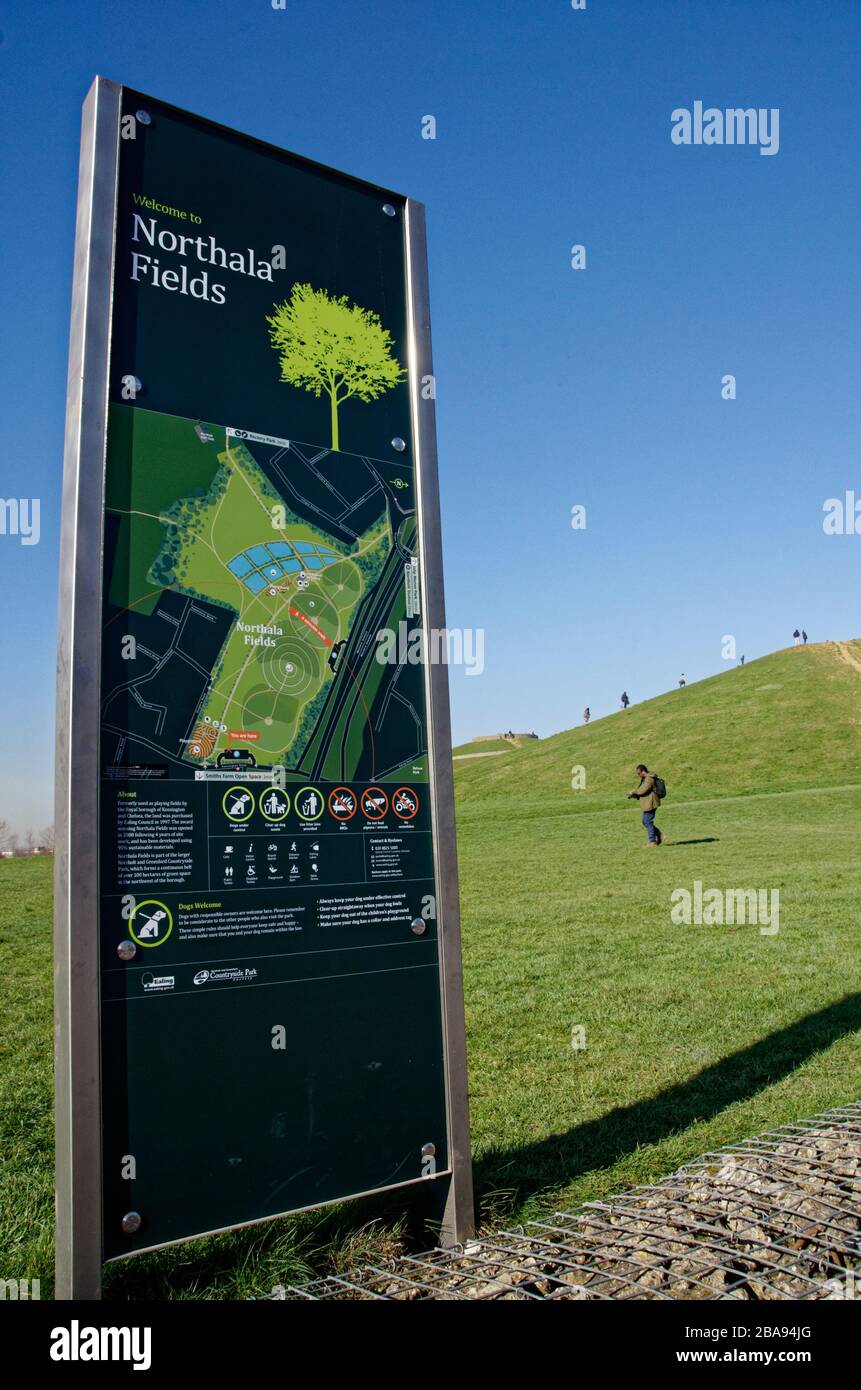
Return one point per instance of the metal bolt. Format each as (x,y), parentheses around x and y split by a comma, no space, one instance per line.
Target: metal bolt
(389,210)
(398,443)
(428,1150)
(127,950)
(418,926)
(132,1222)
(144,117)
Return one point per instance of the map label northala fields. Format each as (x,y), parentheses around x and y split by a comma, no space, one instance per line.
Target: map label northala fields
(258,635)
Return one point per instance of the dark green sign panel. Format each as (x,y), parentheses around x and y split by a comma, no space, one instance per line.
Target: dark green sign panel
(272,1011)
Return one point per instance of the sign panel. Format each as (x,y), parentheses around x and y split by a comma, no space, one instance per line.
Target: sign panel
(274,958)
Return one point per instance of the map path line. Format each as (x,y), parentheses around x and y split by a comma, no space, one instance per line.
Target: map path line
(295,613)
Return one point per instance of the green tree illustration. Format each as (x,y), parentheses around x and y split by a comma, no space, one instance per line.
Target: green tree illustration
(327,344)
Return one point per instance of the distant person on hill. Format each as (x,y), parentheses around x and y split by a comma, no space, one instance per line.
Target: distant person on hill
(647,795)
(742,661)
(796,637)
(625,701)
(681,680)
(804,637)
(587,715)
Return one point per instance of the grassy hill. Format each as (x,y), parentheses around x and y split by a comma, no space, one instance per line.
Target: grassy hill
(489,745)
(787,721)
(694,1035)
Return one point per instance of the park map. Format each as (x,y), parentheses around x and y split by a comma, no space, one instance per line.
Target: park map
(252,577)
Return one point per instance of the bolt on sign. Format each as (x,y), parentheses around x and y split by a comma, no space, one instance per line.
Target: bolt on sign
(259,1000)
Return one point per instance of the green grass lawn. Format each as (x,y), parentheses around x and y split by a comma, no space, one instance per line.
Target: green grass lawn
(695,1035)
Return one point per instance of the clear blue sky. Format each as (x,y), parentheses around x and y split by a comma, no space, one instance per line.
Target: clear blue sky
(556,387)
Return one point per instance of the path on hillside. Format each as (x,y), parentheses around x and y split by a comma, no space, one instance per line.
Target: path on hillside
(849,657)
(467,806)
(462,757)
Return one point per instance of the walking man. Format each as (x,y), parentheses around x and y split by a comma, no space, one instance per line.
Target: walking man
(647,795)
(587,715)
(804,637)
(681,680)
(796,638)
(625,701)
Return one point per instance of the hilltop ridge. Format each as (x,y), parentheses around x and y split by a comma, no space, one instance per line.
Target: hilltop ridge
(788,720)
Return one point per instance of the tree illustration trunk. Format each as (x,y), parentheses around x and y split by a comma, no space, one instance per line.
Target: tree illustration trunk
(334,400)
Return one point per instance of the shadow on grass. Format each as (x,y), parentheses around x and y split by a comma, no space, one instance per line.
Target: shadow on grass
(373,1228)
(709,840)
(556,1161)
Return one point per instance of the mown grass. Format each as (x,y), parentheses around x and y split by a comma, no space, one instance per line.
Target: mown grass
(695,1035)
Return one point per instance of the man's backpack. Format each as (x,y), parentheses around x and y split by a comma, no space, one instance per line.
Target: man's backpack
(660,787)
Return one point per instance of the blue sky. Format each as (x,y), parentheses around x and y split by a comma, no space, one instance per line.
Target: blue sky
(555,387)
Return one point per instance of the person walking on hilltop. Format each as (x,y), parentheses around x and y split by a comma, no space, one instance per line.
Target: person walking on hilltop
(624,700)
(682,681)
(796,638)
(587,715)
(804,637)
(649,793)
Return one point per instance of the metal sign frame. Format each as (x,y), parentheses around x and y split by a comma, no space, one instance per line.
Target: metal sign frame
(76,877)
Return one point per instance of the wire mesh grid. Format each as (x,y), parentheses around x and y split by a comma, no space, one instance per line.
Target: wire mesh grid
(773,1217)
